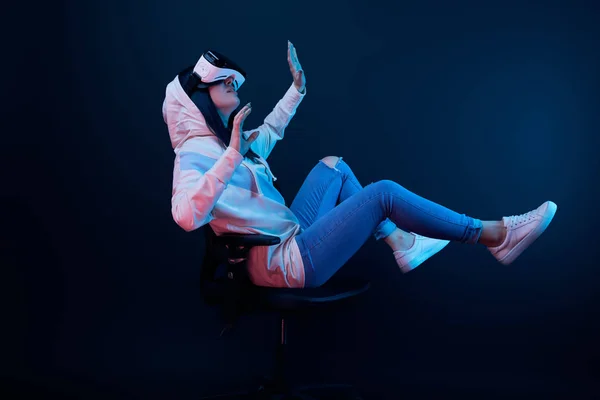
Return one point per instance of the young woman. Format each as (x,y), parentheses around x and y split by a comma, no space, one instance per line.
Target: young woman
(221,177)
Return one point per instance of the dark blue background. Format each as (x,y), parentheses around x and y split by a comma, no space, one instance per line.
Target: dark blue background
(488,109)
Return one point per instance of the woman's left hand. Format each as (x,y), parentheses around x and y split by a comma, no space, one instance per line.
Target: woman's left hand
(296,68)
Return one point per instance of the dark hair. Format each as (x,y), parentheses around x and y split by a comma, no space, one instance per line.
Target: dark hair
(202,99)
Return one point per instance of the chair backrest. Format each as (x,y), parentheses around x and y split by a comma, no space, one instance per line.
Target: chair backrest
(225,284)
(236,295)
(211,282)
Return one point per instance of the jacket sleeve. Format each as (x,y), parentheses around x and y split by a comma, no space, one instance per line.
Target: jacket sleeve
(199,184)
(275,123)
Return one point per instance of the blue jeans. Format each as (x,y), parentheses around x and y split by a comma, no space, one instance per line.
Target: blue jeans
(338,215)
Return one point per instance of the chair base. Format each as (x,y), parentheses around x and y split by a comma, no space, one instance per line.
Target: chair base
(304,392)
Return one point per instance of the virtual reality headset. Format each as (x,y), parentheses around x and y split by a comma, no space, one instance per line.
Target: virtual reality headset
(213,67)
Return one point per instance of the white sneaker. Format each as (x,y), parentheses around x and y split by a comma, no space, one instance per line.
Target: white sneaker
(421,250)
(522,230)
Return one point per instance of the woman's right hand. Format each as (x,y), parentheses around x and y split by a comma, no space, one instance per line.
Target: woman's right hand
(237,140)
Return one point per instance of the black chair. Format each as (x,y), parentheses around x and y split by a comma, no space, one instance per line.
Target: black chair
(224,282)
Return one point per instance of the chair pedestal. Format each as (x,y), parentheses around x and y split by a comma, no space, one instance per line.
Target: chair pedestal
(236,292)
(277,386)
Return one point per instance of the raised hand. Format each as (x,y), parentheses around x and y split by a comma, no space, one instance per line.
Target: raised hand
(237,140)
(296,68)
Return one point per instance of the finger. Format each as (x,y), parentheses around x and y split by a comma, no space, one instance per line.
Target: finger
(241,113)
(296,64)
(237,116)
(252,137)
(293,52)
(243,116)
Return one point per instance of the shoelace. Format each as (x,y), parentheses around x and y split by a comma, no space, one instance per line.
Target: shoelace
(517,220)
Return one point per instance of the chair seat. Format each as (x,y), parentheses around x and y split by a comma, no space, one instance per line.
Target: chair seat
(286,299)
(252,240)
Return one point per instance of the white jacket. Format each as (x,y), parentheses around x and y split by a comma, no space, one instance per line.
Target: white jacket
(214,184)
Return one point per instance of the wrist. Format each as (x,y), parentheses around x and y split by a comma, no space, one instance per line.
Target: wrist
(300,88)
(234,151)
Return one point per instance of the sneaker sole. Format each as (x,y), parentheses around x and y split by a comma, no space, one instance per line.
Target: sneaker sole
(421,258)
(531,237)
